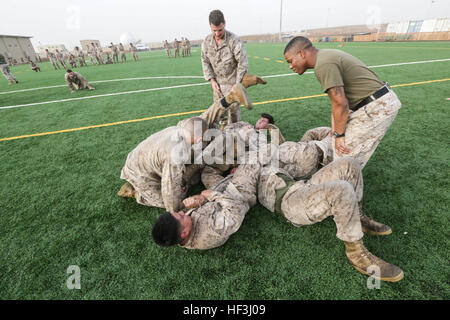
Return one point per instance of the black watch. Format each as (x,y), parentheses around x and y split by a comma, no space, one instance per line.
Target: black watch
(337,135)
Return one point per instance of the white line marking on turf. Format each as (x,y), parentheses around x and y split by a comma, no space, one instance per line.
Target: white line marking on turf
(112,80)
(378,66)
(105,95)
(192,85)
(201,77)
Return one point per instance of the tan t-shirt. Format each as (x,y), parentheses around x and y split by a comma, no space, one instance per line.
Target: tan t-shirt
(335,68)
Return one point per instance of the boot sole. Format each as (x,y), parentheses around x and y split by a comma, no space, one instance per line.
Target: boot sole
(375,233)
(391,279)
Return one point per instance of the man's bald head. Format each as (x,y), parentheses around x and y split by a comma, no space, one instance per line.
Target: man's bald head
(297,44)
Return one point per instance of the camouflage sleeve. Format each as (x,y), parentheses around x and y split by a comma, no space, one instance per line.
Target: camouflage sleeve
(208,71)
(172,188)
(275,133)
(211,176)
(240,54)
(316,134)
(69,83)
(229,219)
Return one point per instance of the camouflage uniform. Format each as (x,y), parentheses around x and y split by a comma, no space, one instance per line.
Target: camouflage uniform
(218,149)
(155,170)
(188,47)
(60,57)
(80,82)
(167,47)
(72,61)
(367,126)
(4,68)
(227,63)
(80,55)
(133,50)
(318,134)
(334,190)
(123,56)
(91,54)
(222,215)
(99,55)
(176,48)
(52,58)
(115,52)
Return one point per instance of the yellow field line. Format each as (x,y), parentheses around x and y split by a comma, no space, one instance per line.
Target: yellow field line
(197,111)
(389,47)
(102,125)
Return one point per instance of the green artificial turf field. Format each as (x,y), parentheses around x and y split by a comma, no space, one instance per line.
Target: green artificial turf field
(59,203)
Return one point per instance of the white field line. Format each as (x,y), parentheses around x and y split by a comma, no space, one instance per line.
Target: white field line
(112,80)
(378,66)
(192,85)
(201,77)
(105,95)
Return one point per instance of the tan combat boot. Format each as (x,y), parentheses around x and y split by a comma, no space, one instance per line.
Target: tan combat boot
(250,80)
(127,191)
(373,227)
(361,259)
(238,94)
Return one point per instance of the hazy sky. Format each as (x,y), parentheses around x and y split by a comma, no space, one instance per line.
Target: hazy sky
(55,22)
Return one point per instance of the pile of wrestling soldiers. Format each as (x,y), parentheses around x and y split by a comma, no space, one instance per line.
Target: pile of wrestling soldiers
(240,164)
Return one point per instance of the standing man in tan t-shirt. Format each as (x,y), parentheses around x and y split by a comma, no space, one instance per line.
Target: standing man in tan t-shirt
(362,106)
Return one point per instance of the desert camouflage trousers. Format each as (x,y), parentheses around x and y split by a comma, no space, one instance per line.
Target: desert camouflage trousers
(4,68)
(334,190)
(367,126)
(216,112)
(301,159)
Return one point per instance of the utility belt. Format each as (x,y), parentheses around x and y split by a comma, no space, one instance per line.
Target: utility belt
(279,194)
(385,89)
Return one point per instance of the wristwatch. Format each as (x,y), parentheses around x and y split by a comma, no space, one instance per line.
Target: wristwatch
(337,135)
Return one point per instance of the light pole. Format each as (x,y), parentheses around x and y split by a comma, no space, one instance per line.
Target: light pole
(281,15)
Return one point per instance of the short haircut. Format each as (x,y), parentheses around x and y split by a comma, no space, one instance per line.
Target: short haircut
(192,123)
(298,43)
(268,117)
(216,17)
(166,231)
(68,71)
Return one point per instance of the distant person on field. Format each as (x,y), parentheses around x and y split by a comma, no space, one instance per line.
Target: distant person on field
(176,47)
(133,50)
(79,53)
(123,56)
(61,58)
(115,52)
(75,79)
(362,106)
(52,58)
(167,47)
(4,68)
(34,66)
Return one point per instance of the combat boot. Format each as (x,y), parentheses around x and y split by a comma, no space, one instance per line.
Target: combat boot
(250,80)
(237,94)
(373,227)
(361,259)
(127,191)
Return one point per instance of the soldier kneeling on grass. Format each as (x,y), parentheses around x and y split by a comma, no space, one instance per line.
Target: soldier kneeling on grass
(74,78)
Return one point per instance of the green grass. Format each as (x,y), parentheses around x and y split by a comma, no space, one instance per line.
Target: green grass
(59,206)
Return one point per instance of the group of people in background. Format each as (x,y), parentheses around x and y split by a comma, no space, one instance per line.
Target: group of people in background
(95,53)
(185,45)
